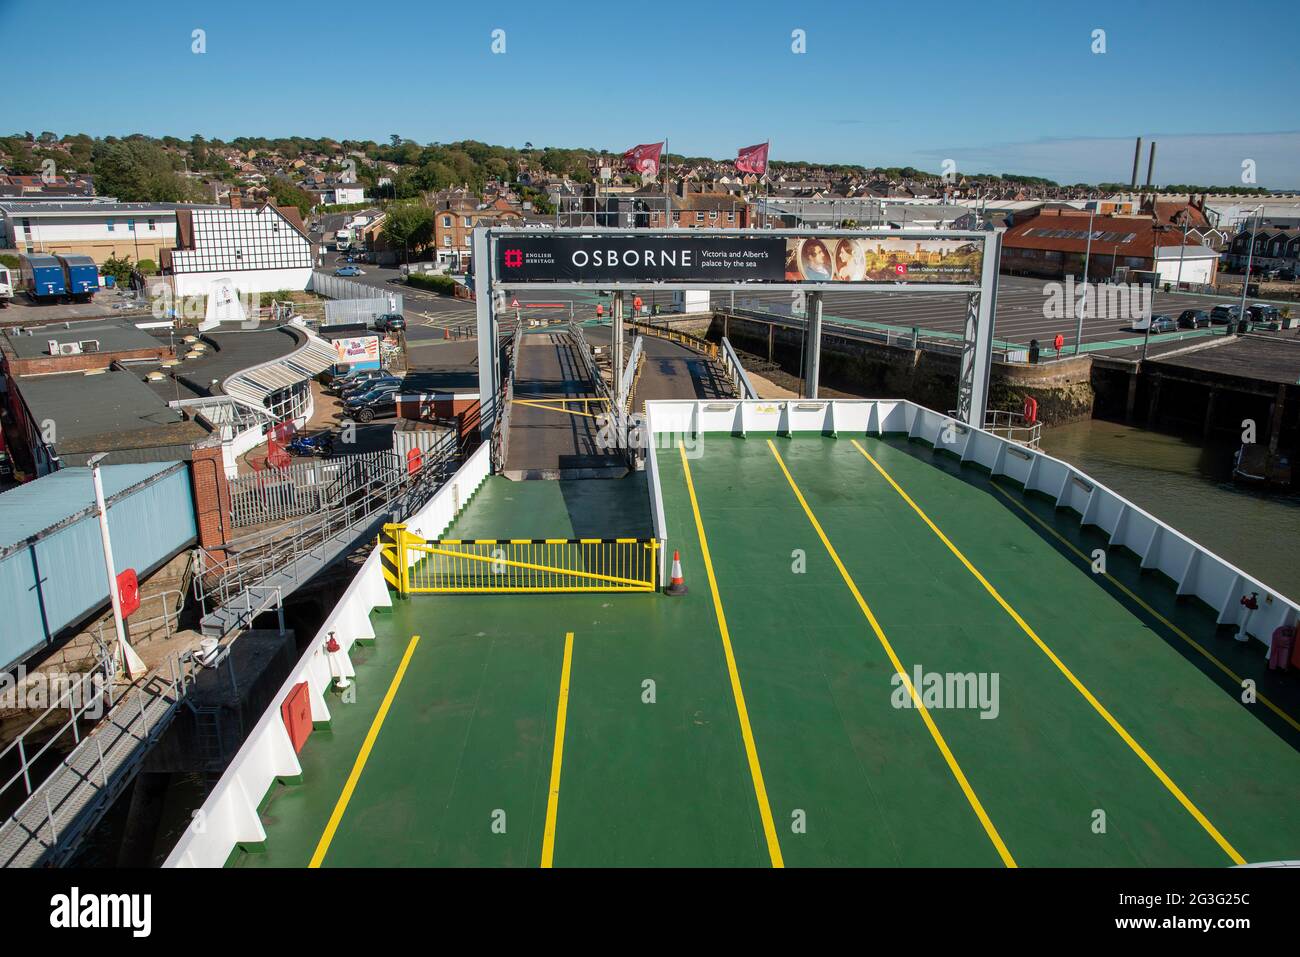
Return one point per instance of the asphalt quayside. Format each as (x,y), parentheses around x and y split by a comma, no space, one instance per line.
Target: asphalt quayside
(753,722)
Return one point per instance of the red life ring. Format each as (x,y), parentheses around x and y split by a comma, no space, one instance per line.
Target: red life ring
(1031,409)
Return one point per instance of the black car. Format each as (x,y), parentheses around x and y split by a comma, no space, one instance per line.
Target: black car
(369,385)
(1193,318)
(1225,314)
(391,322)
(1262,312)
(350,380)
(369,405)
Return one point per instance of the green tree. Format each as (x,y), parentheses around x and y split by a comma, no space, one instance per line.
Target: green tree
(119,269)
(409,225)
(139,171)
(288,194)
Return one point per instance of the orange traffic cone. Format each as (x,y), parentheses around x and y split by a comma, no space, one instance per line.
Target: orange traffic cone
(676,586)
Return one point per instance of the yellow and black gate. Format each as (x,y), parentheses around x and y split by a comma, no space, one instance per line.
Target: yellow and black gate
(413,565)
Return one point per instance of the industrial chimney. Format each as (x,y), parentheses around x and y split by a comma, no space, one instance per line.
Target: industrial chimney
(1151,163)
(1137,158)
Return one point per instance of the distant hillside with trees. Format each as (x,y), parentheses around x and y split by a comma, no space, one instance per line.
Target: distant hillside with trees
(171,169)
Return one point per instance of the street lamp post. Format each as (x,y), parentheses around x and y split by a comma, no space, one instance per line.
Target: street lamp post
(1178,282)
(1250,256)
(131,662)
(1082,305)
(1156,230)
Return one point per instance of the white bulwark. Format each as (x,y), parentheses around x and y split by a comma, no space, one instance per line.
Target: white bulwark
(256,249)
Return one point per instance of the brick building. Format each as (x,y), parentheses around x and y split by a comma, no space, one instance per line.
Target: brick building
(1054,244)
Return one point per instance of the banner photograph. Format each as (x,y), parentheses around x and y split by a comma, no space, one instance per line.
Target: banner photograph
(881,259)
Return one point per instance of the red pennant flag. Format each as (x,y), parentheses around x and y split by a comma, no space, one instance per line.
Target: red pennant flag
(752,159)
(644,159)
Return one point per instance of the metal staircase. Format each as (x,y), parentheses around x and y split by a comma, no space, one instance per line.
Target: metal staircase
(264,569)
(47,827)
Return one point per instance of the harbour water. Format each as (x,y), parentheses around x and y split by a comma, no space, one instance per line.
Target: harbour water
(1190,487)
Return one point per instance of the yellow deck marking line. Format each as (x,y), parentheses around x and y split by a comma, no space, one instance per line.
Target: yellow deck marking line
(989,828)
(1079,686)
(362,756)
(552,408)
(746,732)
(1236,678)
(561,711)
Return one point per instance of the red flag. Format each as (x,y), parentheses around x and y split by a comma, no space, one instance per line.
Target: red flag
(752,159)
(644,159)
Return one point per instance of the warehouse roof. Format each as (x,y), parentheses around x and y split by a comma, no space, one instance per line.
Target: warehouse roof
(55,498)
(112,335)
(1067,231)
(80,406)
(90,207)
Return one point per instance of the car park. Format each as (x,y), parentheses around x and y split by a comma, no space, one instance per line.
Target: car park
(1193,319)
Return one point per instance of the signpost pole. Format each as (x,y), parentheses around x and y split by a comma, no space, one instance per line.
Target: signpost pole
(131,663)
(489,374)
(617,341)
(814,354)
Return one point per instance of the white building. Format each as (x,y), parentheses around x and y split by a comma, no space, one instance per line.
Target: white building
(99,228)
(1198,264)
(343,194)
(263,249)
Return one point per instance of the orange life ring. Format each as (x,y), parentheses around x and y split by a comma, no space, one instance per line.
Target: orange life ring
(1031,409)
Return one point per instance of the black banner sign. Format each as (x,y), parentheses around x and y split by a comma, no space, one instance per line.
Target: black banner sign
(597,259)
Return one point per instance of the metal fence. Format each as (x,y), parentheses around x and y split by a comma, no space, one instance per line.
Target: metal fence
(272,495)
(353,301)
(741,387)
(516,565)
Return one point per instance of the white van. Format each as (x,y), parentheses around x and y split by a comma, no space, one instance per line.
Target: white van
(6,287)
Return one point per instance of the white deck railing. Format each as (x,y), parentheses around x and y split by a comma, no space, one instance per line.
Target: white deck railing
(1195,570)
(229,815)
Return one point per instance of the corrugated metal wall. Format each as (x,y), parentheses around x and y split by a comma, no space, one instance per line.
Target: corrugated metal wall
(48,584)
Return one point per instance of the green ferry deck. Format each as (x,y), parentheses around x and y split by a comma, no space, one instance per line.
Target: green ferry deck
(760,720)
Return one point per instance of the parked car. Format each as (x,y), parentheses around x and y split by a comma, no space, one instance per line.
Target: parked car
(369,405)
(1286,273)
(1193,318)
(1261,312)
(1159,323)
(356,377)
(369,385)
(1224,314)
(391,322)
(347,271)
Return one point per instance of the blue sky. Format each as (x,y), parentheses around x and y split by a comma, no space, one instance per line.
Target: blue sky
(1003,87)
